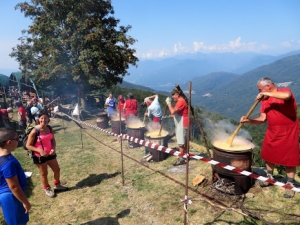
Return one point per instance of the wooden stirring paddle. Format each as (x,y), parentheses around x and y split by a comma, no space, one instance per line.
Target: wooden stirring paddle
(162,122)
(230,139)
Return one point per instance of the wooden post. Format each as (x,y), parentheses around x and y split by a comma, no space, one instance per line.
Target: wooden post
(187,147)
(121,145)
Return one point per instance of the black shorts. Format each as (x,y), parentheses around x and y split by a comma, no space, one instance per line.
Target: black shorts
(22,124)
(42,159)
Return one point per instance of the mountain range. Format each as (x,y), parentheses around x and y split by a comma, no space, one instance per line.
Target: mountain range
(163,74)
(232,94)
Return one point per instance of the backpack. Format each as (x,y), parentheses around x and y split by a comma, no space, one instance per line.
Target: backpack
(25,137)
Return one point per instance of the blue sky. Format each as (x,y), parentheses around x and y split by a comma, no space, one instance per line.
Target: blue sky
(166,28)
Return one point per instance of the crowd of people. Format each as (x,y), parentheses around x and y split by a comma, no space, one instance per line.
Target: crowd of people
(280,145)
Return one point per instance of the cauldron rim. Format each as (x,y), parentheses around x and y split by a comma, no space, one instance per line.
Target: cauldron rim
(233,151)
(136,128)
(161,137)
(117,120)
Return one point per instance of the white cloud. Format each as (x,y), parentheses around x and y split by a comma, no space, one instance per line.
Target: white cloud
(286,44)
(232,46)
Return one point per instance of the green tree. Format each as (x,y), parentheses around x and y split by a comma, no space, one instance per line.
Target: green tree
(75,40)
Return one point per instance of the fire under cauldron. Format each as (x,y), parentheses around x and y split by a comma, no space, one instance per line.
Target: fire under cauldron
(137,132)
(163,139)
(115,125)
(241,159)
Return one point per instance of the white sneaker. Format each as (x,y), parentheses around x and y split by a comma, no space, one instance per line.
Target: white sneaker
(49,192)
(59,187)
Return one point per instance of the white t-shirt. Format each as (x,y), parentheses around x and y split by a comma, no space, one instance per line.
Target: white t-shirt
(155,109)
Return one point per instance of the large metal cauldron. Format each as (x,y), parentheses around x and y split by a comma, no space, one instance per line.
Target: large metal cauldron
(115,125)
(102,121)
(163,139)
(137,132)
(241,159)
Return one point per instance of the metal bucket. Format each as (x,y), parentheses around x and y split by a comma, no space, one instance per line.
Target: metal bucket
(152,137)
(137,132)
(241,159)
(115,125)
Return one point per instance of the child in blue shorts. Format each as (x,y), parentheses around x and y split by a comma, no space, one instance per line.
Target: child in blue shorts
(14,203)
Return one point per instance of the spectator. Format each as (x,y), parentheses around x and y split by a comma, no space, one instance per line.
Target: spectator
(44,153)
(35,110)
(14,203)
(5,117)
(29,114)
(22,113)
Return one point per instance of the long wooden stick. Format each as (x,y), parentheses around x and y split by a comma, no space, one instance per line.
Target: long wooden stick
(145,115)
(187,148)
(162,122)
(230,139)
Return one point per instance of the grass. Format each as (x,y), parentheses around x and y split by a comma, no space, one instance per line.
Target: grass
(152,193)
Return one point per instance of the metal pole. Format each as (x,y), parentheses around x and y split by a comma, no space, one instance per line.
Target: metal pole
(4,98)
(81,138)
(37,94)
(188,156)
(121,143)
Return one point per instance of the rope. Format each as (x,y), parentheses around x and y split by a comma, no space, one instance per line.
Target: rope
(197,157)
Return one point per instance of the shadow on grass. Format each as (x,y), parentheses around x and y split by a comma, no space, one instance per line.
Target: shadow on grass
(109,220)
(94,179)
(30,187)
(246,221)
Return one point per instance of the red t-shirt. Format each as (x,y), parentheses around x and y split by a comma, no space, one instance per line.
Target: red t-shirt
(4,113)
(182,110)
(131,107)
(22,112)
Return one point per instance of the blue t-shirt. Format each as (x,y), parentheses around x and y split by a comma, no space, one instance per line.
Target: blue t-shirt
(10,167)
(112,105)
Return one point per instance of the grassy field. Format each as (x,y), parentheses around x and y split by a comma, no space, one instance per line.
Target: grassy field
(91,167)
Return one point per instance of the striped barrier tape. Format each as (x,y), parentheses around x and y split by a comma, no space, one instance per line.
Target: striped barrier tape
(176,153)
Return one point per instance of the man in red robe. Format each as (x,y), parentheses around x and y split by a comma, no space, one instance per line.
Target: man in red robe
(280,145)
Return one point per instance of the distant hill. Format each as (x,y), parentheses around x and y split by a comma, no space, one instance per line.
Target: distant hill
(205,84)
(234,98)
(162,74)
(128,85)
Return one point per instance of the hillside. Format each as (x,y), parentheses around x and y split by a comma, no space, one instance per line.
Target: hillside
(162,74)
(128,85)
(233,99)
(205,84)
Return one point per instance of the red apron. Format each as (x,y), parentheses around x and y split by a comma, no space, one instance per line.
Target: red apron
(280,145)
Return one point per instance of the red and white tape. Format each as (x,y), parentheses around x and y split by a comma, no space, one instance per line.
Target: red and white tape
(176,153)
